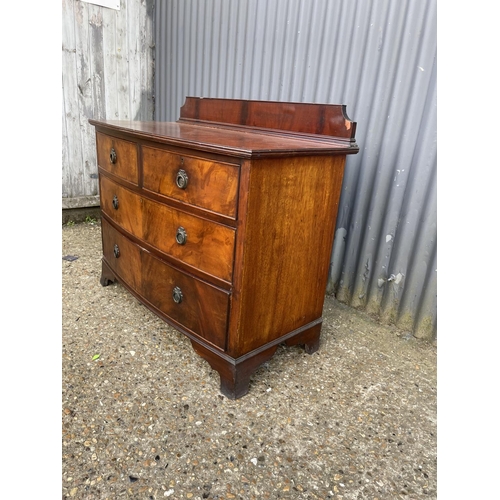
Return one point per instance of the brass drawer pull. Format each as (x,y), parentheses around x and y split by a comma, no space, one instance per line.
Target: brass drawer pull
(112,155)
(181,179)
(181,236)
(116,251)
(115,202)
(177,295)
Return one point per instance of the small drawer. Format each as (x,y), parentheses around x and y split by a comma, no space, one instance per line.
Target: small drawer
(204,183)
(203,244)
(193,304)
(117,157)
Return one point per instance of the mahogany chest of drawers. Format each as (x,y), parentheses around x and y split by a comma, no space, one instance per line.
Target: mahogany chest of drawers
(222,223)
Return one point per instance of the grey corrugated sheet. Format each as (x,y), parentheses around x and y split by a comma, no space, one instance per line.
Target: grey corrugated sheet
(378,58)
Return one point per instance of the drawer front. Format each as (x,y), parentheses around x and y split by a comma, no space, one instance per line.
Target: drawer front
(203,183)
(200,243)
(123,256)
(118,157)
(195,305)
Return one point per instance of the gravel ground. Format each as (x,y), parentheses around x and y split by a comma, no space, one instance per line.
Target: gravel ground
(145,420)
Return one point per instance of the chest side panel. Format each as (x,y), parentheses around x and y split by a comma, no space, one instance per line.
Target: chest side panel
(283,263)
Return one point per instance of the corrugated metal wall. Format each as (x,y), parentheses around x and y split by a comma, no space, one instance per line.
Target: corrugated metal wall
(379,58)
(107,72)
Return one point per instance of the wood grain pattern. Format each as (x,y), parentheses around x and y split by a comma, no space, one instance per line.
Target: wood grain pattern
(304,118)
(128,265)
(212,185)
(284,258)
(283,191)
(155,280)
(203,308)
(209,246)
(126,157)
(233,142)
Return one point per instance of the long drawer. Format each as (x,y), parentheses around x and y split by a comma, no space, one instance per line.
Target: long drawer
(195,305)
(198,242)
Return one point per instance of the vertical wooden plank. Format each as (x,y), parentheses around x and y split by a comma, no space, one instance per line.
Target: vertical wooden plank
(134,60)
(68,97)
(146,83)
(122,87)
(84,86)
(141,55)
(65,178)
(151,40)
(110,53)
(72,21)
(82,166)
(96,107)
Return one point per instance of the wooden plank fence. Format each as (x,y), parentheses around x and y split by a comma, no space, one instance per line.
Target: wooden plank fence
(107,72)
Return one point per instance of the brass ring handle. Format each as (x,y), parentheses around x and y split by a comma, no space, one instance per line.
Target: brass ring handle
(112,155)
(116,251)
(181,179)
(177,295)
(181,236)
(115,202)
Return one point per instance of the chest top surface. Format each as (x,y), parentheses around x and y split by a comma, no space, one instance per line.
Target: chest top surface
(249,128)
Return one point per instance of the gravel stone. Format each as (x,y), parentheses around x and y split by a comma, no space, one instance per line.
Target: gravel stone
(145,419)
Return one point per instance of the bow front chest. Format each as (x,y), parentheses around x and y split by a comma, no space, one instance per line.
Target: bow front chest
(222,223)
